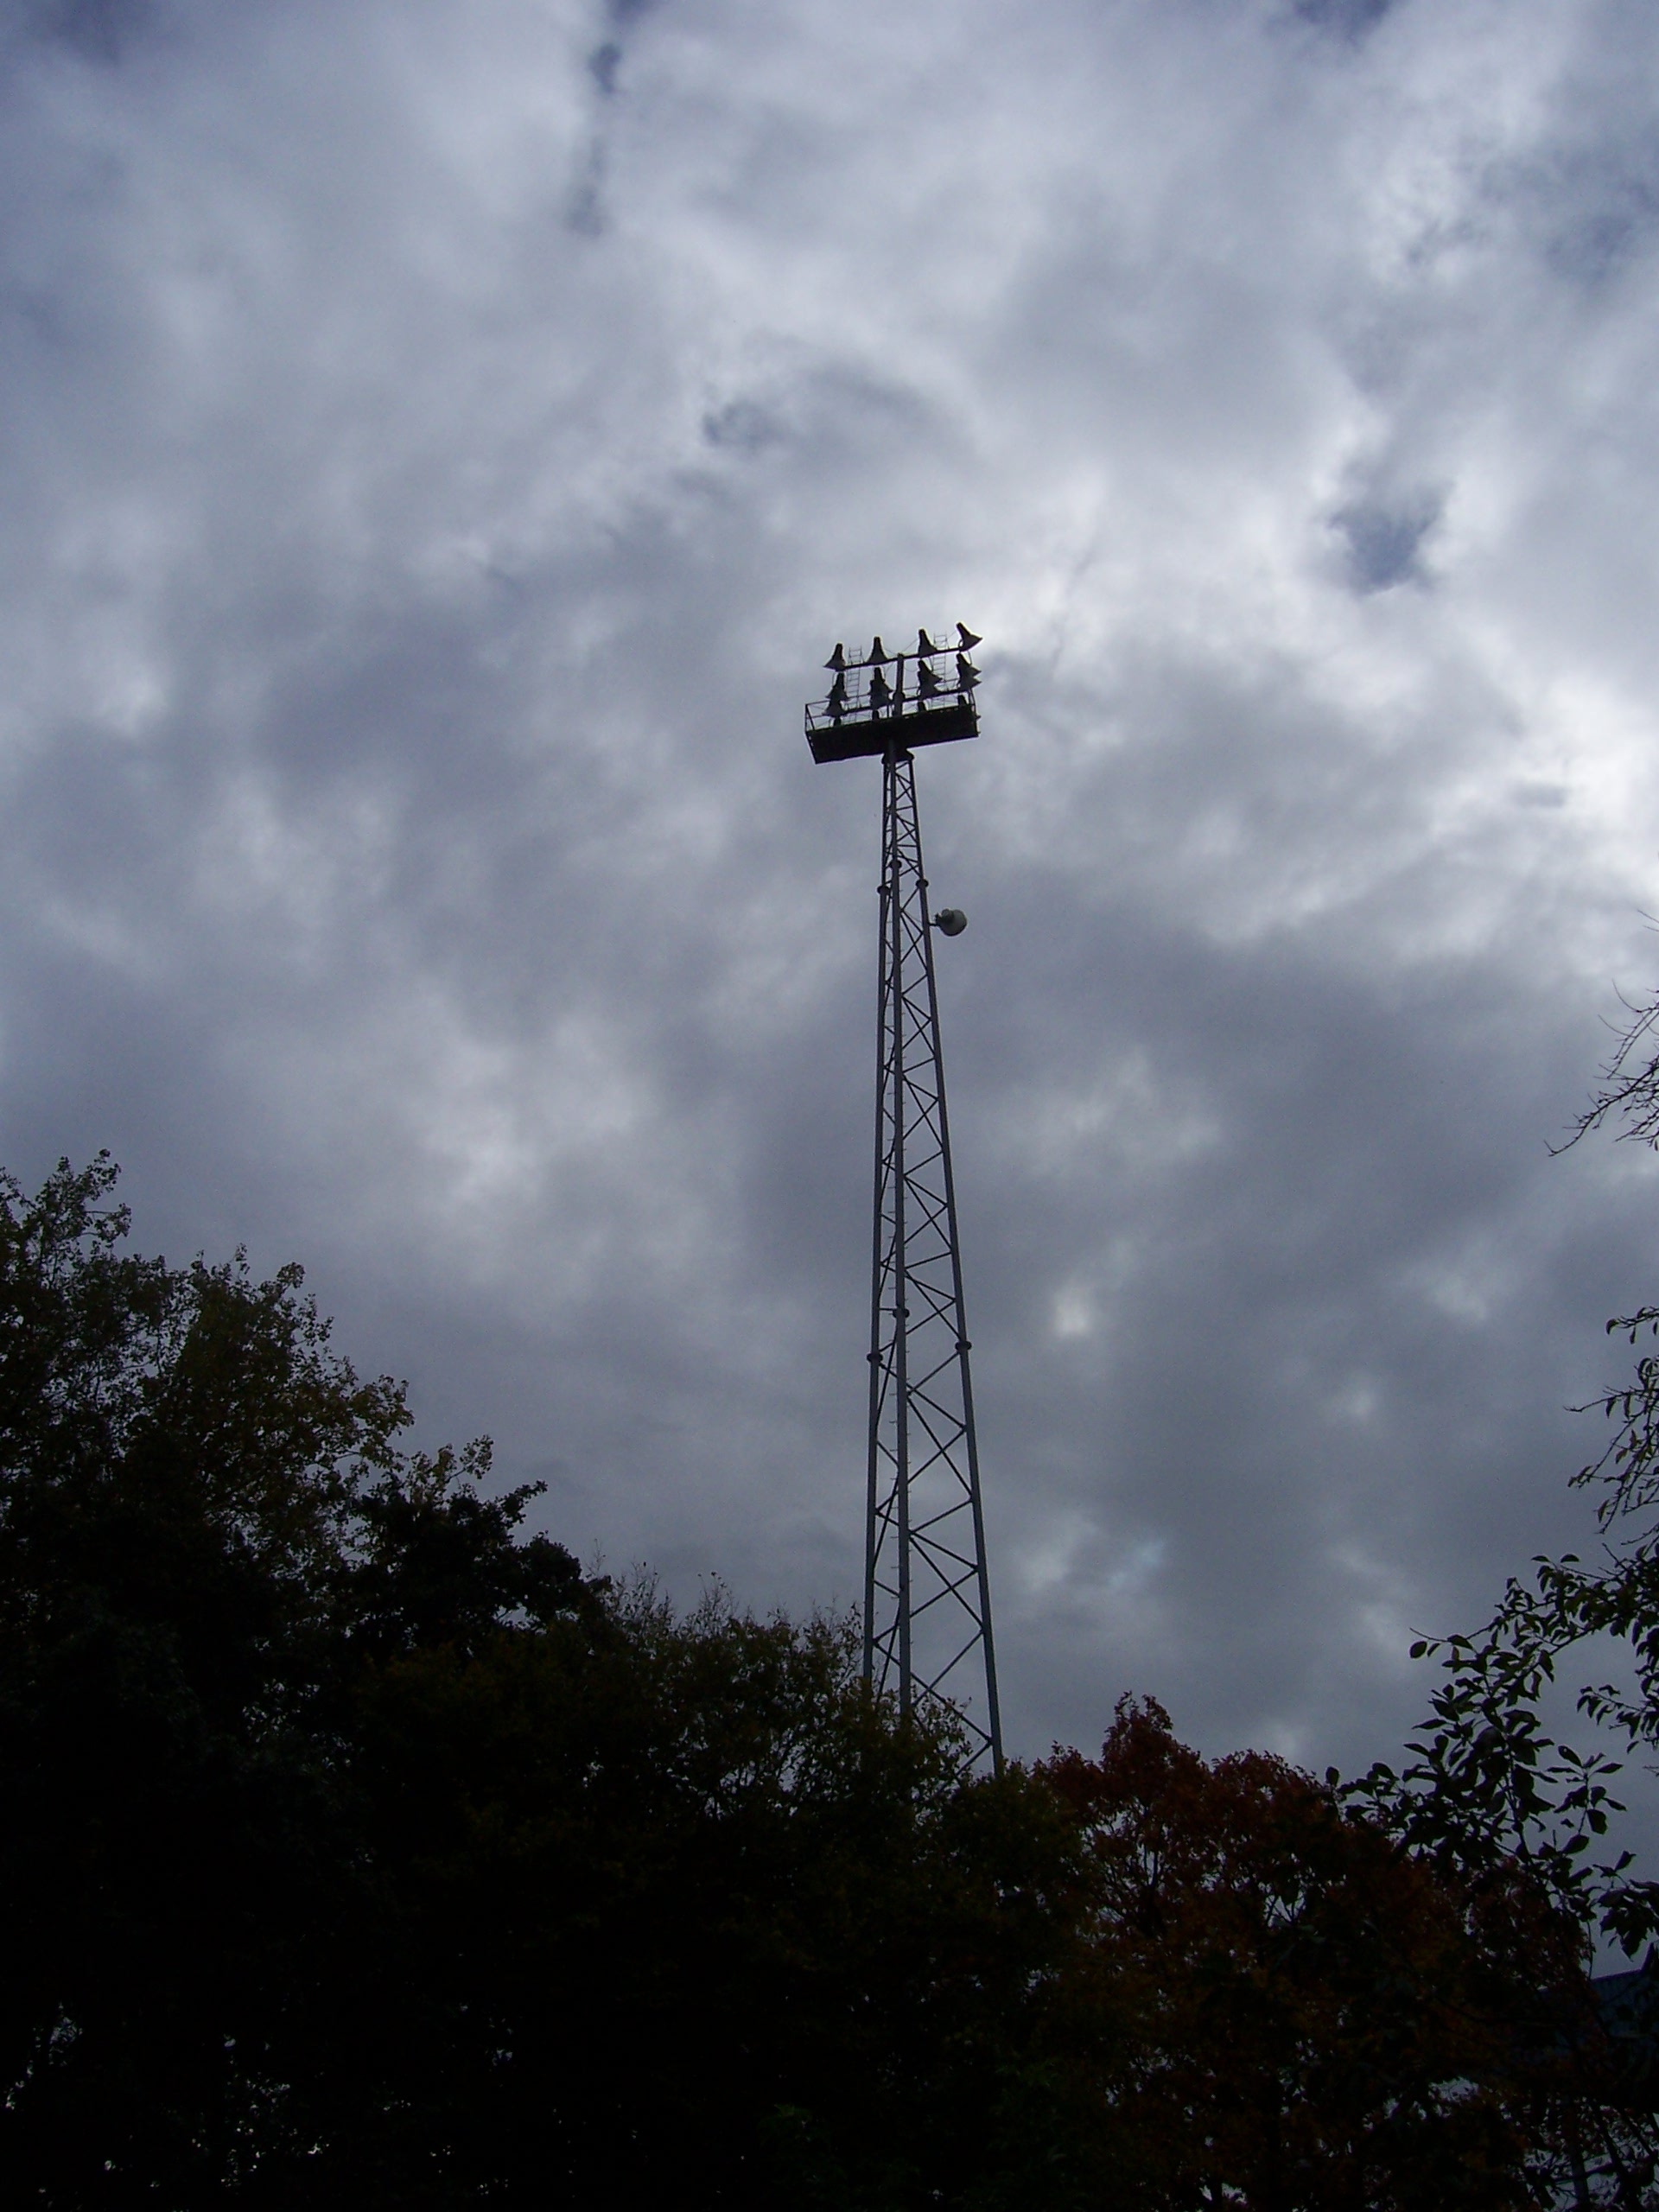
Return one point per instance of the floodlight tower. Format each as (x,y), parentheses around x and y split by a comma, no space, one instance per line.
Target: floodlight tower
(927,1597)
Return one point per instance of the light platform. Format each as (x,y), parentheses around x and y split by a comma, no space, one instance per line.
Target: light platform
(871,737)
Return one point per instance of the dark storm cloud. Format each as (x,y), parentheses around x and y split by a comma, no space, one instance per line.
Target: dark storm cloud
(1348,18)
(442,448)
(1384,540)
(98,30)
(605,61)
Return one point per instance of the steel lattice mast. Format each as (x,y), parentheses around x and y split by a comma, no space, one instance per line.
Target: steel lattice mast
(927,1604)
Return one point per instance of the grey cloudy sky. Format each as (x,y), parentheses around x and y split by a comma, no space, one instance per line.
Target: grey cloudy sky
(441,442)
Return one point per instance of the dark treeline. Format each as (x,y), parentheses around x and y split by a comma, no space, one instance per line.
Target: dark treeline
(358,1850)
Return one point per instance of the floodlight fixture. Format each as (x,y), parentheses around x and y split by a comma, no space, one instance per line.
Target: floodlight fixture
(928,700)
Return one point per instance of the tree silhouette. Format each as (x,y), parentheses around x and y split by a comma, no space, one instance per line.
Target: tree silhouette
(359,1851)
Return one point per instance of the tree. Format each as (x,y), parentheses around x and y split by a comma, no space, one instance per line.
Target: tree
(1490,1785)
(208,1531)
(1303,2012)
(359,1851)
(1488,1790)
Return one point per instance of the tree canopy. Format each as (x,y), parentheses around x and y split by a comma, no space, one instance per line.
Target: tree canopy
(361,1850)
